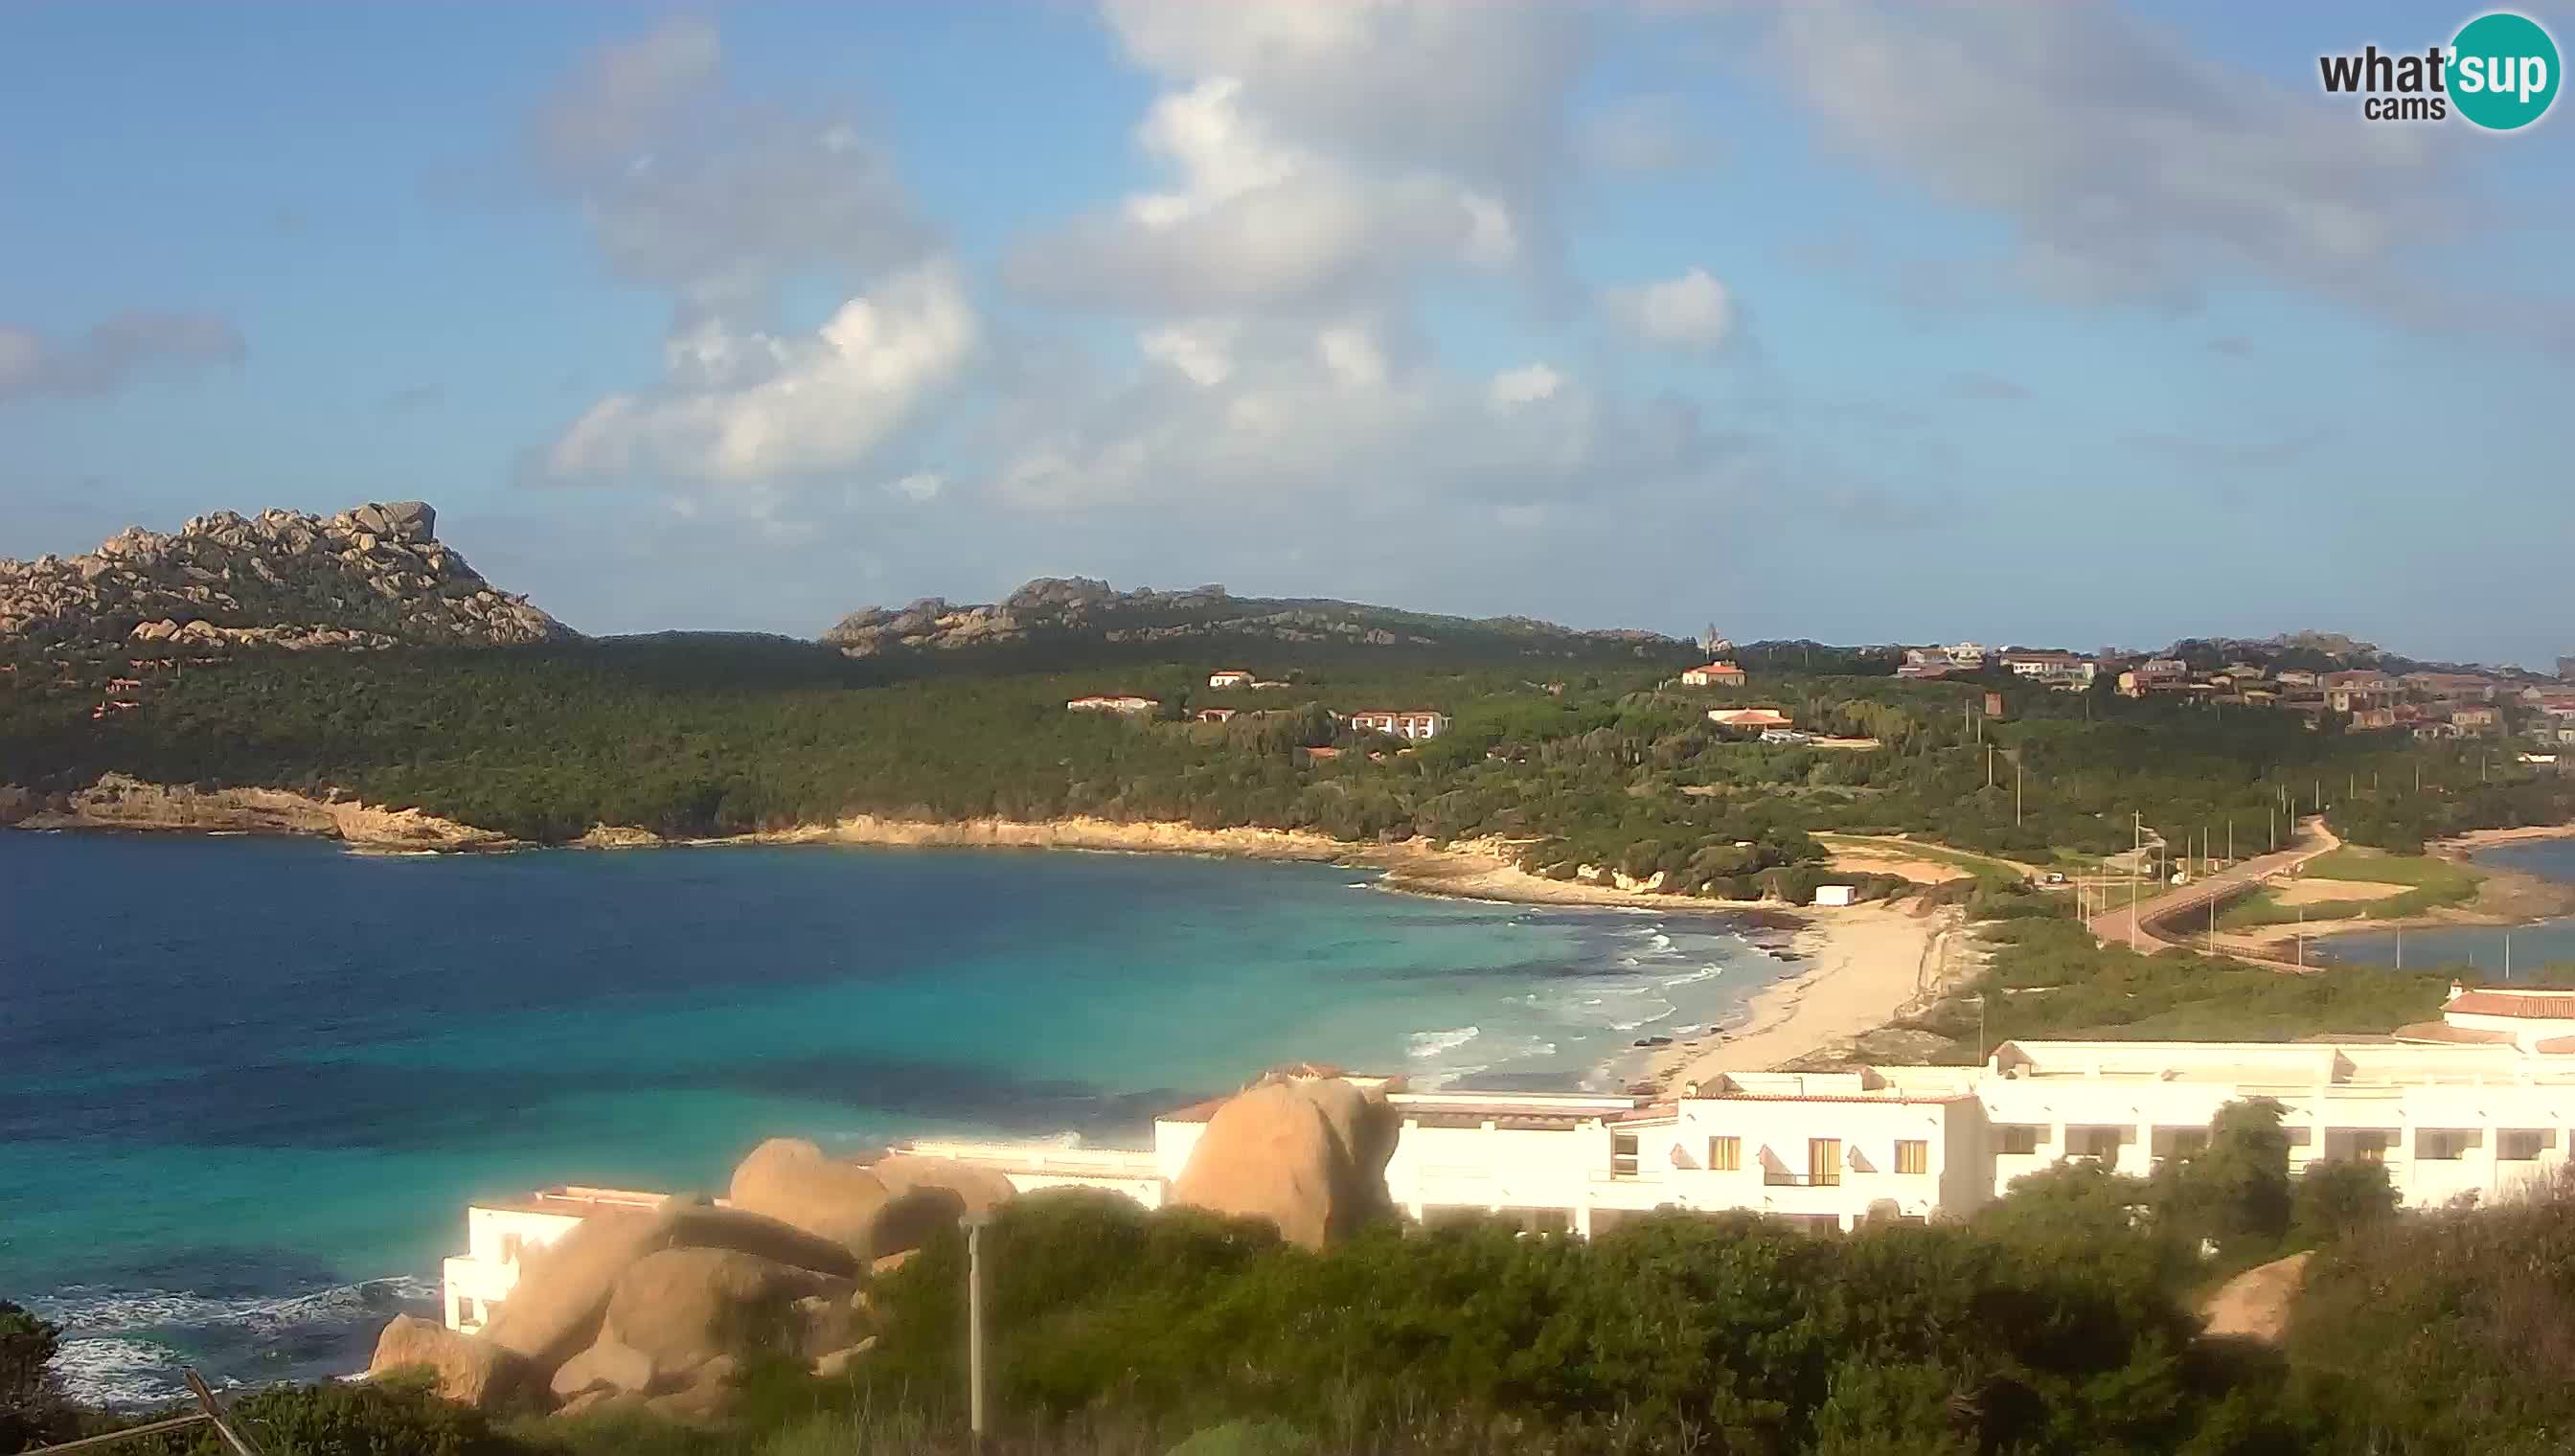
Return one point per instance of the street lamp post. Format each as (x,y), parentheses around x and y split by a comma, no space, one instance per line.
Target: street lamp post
(975,1221)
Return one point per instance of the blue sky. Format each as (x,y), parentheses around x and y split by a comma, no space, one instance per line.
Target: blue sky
(2044,323)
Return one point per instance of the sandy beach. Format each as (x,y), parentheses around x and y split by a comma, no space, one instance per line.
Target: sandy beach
(2475,840)
(1868,964)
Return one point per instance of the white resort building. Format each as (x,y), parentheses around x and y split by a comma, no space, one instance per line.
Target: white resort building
(2480,1104)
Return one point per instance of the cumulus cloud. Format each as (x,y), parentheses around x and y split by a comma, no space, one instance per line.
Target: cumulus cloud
(723,203)
(1692,311)
(2128,162)
(1320,156)
(1340,416)
(111,354)
(743,407)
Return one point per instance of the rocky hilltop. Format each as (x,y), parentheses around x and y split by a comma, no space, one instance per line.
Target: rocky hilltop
(374,577)
(1058,609)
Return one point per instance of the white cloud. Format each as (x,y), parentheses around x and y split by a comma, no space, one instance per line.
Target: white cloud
(685,187)
(1527,383)
(1254,221)
(1200,350)
(1334,418)
(744,408)
(2128,162)
(920,488)
(1321,157)
(1691,312)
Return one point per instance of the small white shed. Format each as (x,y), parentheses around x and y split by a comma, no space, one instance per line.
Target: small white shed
(1833,894)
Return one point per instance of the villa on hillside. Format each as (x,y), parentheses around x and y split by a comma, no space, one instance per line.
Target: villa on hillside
(1114,703)
(1229,677)
(2051,666)
(1715,674)
(1755,719)
(2473,1108)
(1418,724)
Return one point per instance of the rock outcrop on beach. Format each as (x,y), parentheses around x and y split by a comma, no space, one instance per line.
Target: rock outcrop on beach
(1071,612)
(373,577)
(1305,1151)
(116,802)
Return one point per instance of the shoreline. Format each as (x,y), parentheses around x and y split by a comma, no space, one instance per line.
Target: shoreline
(1850,970)
(1869,965)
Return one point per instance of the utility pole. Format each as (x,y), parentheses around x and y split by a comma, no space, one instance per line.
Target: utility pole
(2400,947)
(2302,938)
(2016,794)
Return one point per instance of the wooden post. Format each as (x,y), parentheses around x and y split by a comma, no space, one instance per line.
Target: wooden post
(215,1412)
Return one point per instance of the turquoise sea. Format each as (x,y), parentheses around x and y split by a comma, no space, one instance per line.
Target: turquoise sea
(246,1086)
(2490,950)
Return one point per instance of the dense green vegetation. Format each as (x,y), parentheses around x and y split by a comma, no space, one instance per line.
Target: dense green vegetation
(2062,1317)
(1585,761)
(2048,979)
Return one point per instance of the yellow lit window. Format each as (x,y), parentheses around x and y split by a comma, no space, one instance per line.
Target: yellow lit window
(1913,1158)
(1726,1154)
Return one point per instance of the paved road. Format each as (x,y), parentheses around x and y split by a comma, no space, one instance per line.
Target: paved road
(2117,927)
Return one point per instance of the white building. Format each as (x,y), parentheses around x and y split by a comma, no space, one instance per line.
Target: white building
(1107,703)
(1229,677)
(1419,724)
(498,1233)
(1715,674)
(2051,666)
(2476,1106)
(1967,654)
(1917,1142)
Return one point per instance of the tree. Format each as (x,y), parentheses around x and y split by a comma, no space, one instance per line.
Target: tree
(2235,1191)
(2339,1197)
(30,1399)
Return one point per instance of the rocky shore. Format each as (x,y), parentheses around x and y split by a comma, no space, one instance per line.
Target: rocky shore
(116,802)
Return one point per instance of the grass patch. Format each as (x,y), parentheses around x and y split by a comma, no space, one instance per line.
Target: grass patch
(2048,979)
(2435,882)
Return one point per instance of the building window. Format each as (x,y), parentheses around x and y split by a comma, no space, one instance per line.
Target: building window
(2020,1137)
(1726,1154)
(2442,1144)
(1913,1158)
(1824,1161)
(2098,1142)
(1622,1154)
(2522,1144)
(2189,1142)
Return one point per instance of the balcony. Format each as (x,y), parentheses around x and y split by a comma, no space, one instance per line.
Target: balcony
(1774,1178)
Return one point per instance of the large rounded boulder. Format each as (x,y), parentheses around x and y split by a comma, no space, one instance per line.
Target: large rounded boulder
(788,1179)
(682,1308)
(562,1297)
(1306,1153)
(978,1191)
(462,1368)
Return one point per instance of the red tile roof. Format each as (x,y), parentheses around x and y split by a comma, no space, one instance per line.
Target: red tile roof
(2513,1003)
(2445,1032)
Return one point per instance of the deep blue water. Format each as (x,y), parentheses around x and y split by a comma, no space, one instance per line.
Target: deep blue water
(248,1085)
(2482,947)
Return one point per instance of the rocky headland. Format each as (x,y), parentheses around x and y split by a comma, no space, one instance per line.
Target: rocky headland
(1060,608)
(373,577)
